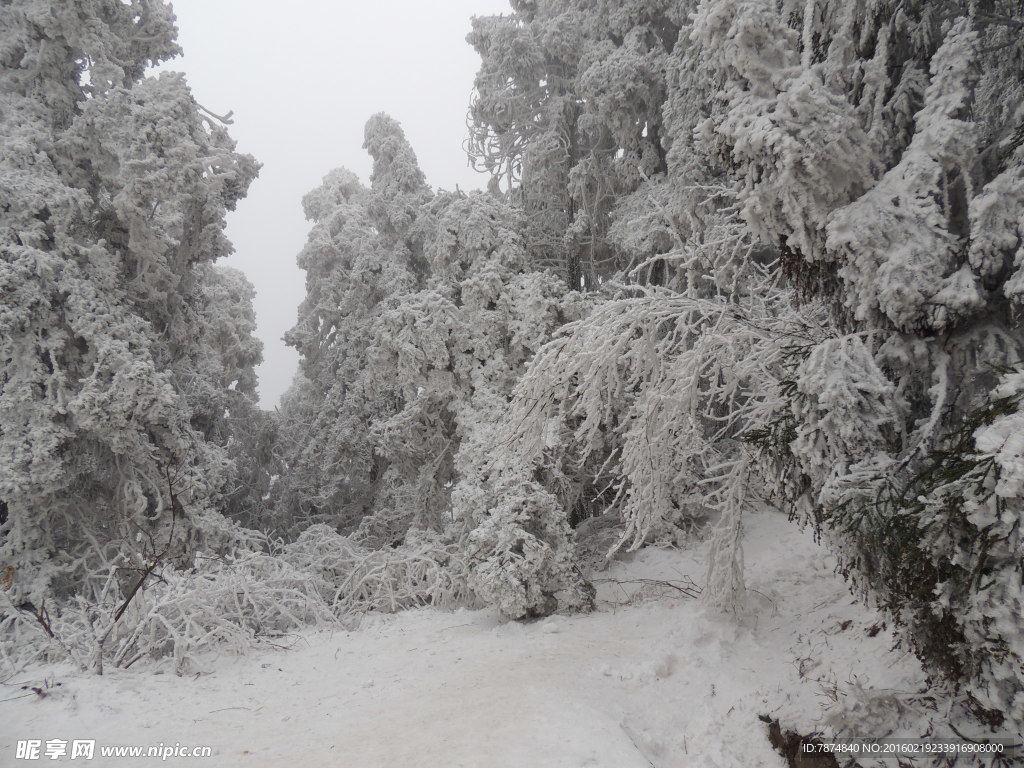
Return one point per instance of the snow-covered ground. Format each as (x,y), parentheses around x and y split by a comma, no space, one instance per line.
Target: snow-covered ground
(647,680)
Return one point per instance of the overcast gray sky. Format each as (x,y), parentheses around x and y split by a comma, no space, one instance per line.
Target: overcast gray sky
(302,78)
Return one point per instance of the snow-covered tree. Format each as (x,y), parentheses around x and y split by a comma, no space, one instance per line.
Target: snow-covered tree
(421,313)
(876,150)
(637,409)
(113,192)
(880,146)
(458,347)
(567,114)
(360,252)
(217,375)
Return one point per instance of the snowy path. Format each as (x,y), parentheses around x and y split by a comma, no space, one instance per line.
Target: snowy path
(661,683)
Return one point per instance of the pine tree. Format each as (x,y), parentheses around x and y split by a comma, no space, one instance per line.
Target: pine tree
(567,114)
(872,154)
(360,252)
(420,313)
(880,147)
(113,192)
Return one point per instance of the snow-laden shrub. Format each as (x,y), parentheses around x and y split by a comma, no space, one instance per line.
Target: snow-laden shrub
(521,554)
(224,602)
(351,578)
(231,602)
